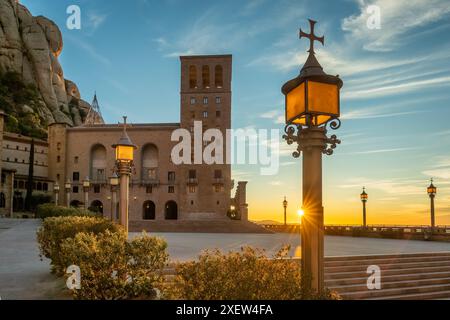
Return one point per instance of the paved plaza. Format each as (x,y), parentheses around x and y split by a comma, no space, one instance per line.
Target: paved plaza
(24,276)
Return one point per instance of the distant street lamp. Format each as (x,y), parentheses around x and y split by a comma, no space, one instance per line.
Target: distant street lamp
(86,187)
(124,162)
(114,182)
(431,190)
(68,187)
(56,192)
(364,198)
(312,103)
(285,204)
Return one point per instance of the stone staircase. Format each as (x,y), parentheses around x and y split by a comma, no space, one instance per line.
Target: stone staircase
(198,226)
(416,276)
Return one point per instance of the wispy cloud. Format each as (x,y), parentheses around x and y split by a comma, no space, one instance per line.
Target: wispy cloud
(90,49)
(394,186)
(374,151)
(95,20)
(397,18)
(276,115)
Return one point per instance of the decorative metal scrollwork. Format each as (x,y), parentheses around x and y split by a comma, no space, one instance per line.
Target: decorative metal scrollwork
(293,135)
(331,144)
(333,123)
(297,133)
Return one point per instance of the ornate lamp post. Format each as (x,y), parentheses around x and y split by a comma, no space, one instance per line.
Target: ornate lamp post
(364,197)
(114,182)
(124,162)
(56,192)
(431,190)
(312,103)
(285,203)
(68,187)
(86,187)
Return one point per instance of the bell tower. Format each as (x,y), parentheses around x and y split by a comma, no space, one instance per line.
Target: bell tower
(206,97)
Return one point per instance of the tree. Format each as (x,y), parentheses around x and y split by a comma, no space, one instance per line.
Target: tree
(29,196)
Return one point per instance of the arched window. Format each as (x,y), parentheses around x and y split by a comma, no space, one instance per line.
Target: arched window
(192,77)
(98,164)
(148,210)
(205,76)
(149,163)
(218,76)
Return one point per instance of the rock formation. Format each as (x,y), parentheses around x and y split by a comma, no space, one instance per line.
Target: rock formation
(30,46)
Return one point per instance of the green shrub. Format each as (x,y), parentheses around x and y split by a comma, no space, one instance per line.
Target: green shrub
(244,275)
(51,210)
(56,229)
(112,268)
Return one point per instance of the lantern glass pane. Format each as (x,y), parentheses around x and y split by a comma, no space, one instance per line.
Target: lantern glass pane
(124,153)
(295,103)
(323,98)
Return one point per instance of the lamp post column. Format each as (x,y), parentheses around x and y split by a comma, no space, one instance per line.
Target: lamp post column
(113,203)
(364,214)
(312,230)
(433,223)
(86,187)
(285,203)
(124,173)
(68,187)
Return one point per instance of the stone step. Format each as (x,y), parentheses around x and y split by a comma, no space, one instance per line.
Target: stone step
(342,289)
(386,256)
(385,261)
(390,272)
(394,278)
(385,267)
(383,293)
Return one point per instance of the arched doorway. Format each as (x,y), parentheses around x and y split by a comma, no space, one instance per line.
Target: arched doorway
(96,206)
(171,210)
(148,210)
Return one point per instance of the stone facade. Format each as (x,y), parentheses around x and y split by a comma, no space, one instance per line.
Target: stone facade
(159,189)
(15,156)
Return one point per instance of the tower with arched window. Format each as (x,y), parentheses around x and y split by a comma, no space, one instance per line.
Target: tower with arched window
(206,97)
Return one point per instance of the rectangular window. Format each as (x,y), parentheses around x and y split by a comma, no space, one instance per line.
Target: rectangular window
(218,100)
(58,159)
(192,174)
(205,114)
(217,114)
(205,100)
(171,176)
(151,173)
(75,189)
(217,174)
(149,189)
(96,188)
(171,189)
(193,115)
(193,100)
(75,176)
(217,188)
(192,189)
(75,160)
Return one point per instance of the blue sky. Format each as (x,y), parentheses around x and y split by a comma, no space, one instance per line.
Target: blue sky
(395,100)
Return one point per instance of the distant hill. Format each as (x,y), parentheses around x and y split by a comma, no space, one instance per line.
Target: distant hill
(267,222)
